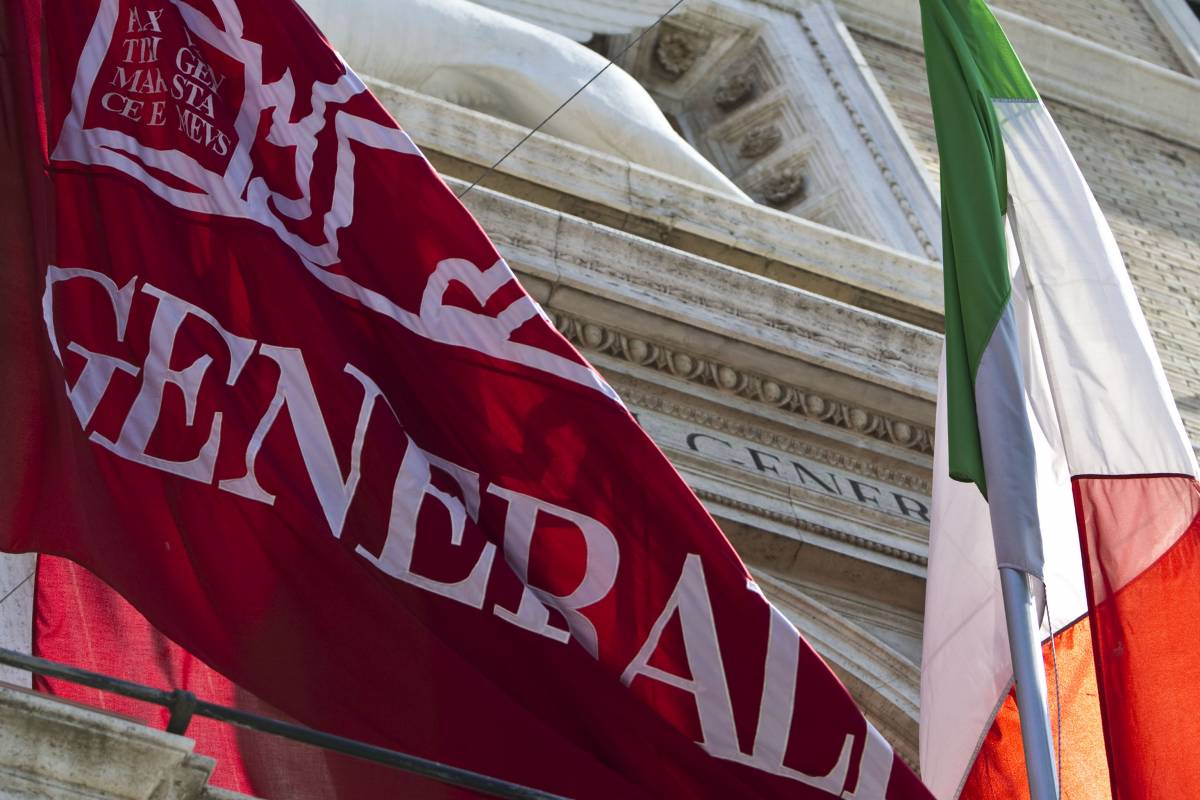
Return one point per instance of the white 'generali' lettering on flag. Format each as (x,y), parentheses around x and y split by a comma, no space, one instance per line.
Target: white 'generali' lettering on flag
(413,487)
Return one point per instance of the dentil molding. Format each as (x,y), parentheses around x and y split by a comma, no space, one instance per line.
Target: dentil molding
(759,388)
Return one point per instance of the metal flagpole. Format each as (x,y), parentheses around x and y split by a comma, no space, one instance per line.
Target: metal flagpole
(1024,628)
(1025,644)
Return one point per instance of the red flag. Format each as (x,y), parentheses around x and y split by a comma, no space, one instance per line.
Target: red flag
(290,403)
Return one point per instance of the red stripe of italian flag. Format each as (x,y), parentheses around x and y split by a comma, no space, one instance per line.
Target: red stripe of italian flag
(1059,452)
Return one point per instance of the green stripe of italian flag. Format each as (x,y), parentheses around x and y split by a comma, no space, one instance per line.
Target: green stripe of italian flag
(1059,452)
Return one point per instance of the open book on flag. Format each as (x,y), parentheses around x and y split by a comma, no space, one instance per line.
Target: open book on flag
(273,385)
(1059,452)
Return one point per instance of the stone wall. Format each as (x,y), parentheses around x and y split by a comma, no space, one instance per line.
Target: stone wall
(1148,188)
(901,74)
(1123,25)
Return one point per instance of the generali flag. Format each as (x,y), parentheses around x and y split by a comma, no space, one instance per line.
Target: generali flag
(267,378)
(1054,407)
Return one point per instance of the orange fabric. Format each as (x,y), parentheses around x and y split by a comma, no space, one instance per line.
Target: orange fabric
(1130,673)
(999,771)
(1146,633)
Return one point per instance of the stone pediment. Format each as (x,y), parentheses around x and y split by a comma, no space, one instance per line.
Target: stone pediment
(777,96)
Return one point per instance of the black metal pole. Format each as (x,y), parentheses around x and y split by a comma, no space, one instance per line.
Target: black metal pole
(184,704)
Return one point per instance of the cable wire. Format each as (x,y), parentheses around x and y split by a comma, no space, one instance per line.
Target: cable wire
(14,589)
(1057,696)
(575,94)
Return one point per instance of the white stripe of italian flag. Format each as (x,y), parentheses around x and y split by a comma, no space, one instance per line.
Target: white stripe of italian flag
(1059,452)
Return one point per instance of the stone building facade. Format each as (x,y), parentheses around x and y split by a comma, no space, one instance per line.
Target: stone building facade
(784,352)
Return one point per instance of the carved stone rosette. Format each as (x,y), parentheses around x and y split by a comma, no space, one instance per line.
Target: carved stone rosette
(785,187)
(734,90)
(676,51)
(760,141)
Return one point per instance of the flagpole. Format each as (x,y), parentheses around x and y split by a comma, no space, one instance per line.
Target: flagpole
(1024,641)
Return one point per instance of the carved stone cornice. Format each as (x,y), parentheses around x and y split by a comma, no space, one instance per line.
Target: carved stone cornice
(624,196)
(751,386)
(699,305)
(864,132)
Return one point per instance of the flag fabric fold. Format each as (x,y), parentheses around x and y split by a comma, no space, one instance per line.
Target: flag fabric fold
(282,395)
(1054,403)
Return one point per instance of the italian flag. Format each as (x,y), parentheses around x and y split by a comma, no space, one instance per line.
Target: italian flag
(1059,452)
